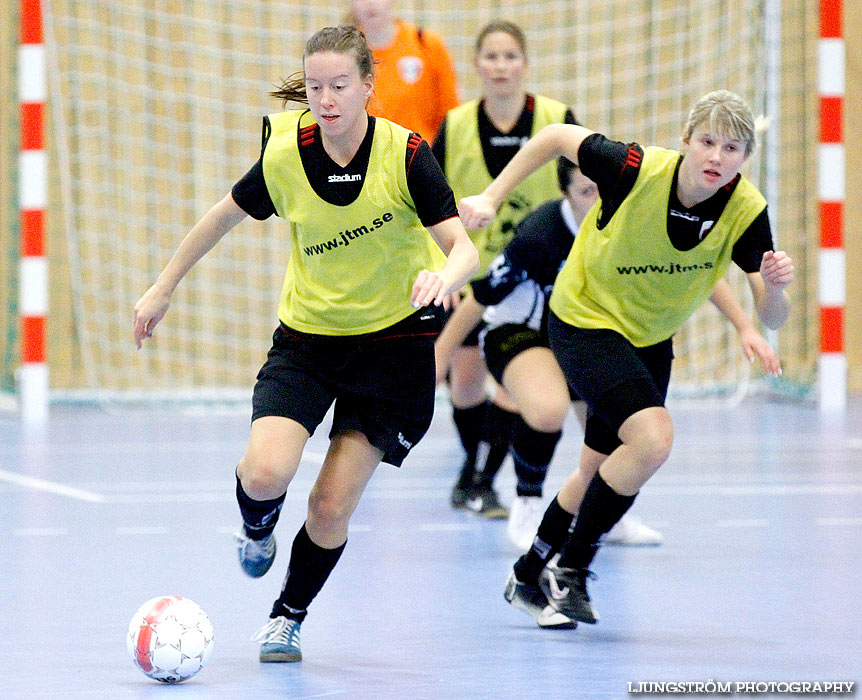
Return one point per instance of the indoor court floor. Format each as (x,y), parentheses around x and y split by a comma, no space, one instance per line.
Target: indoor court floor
(758,578)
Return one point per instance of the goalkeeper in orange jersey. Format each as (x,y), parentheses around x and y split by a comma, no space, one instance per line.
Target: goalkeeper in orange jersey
(415,82)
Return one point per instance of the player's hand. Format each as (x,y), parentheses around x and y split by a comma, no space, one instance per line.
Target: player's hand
(454,300)
(777,270)
(476,212)
(150,309)
(755,347)
(430,288)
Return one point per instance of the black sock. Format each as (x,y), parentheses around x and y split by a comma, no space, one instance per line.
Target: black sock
(497,433)
(309,567)
(259,517)
(532,452)
(552,533)
(468,422)
(601,509)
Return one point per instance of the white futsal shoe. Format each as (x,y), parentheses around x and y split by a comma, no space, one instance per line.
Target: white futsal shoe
(631,532)
(525,515)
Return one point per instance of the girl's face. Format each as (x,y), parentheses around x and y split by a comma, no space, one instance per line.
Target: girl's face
(501,65)
(710,161)
(336,92)
(371,13)
(582,193)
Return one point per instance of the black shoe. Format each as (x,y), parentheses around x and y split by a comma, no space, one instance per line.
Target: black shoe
(566,590)
(484,503)
(529,598)
(462,491)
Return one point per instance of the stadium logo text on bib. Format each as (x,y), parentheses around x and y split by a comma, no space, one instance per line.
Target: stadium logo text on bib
(344,178)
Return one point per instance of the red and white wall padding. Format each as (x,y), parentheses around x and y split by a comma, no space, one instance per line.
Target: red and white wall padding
(33,193)
(833,361)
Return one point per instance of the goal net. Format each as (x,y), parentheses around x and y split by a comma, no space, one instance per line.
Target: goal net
(156,111)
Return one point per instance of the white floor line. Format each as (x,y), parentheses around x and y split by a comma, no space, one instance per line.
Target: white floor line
(743,522)
(32,482)
(855,522)
(446,527)
(142,531)
(777,489)
(411,493)
(228,530)
(40,531)
(204,497)
(227,496)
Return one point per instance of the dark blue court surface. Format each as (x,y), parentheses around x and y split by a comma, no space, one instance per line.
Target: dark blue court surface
(758,578)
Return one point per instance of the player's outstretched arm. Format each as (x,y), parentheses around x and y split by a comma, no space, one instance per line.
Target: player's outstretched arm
(754,345)
(462,262)
(768,287)
(463,320)
(152,307)
(551,142)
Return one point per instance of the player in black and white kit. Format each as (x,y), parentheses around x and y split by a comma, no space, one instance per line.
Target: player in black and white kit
(377,249)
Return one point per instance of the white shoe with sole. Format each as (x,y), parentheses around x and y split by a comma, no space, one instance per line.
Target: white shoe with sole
(631,532)
(525,515)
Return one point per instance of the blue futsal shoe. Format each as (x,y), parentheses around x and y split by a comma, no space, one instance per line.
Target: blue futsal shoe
(255,556)
(279,640)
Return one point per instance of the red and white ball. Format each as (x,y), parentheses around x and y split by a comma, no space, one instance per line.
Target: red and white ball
(170,638)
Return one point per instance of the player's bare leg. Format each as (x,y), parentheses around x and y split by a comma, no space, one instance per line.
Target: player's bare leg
(347,468)
(266,469)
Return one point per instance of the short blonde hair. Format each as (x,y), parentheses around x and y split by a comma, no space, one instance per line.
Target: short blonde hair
(726,115)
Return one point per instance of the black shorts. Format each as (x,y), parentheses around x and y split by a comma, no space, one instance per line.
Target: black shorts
(614,377)
(382,383)
(502,344)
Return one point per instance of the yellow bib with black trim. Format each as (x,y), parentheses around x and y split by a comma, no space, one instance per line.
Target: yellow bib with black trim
(629,278)
(468,175)
(351,268)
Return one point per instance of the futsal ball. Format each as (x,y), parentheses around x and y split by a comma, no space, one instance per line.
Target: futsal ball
(170,638)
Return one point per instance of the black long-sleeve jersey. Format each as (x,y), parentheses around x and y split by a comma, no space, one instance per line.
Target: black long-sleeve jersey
(520,279)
